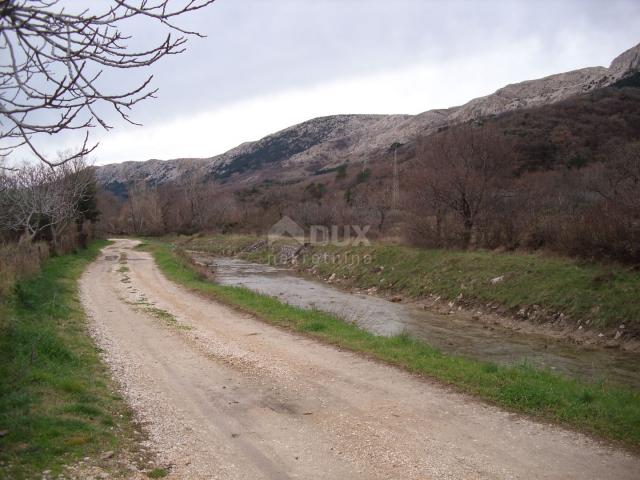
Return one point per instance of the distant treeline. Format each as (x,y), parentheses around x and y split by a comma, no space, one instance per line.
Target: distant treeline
(562,177)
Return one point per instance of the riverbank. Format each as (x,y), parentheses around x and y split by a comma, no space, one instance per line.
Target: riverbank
(566,299)
(453,333)
(603,410)
(58,410)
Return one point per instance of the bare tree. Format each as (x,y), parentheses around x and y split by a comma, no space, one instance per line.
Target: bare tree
(461,171)
(196,196)
(73,183)
(376,204)
(36,198)
(187,207)
(618,181)
(142,211)
(109,206)
(52,60)
(224,212)
(28,200)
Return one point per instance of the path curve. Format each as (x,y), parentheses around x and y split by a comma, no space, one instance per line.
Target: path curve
(223,395)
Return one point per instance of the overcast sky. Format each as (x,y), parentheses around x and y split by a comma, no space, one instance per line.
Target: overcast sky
(268,64)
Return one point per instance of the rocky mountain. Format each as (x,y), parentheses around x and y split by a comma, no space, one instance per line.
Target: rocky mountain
(325,142)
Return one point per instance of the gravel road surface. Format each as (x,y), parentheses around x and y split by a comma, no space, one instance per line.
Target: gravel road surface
(224,395)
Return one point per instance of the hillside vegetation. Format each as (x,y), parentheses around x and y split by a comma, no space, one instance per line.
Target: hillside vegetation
(574,132)
(562,177)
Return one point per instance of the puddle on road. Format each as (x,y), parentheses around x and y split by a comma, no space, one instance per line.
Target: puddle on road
(446,332)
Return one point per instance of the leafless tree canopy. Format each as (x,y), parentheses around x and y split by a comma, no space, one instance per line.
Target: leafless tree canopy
(51,61)
(37,198)
(462,172)
(619,180)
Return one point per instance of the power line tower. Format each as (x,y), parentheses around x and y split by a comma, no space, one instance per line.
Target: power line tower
(395,187)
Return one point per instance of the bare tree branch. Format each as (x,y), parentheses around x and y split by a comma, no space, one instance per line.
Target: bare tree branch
(51,61)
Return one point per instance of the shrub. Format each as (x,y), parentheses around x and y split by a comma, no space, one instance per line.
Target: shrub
(363,176)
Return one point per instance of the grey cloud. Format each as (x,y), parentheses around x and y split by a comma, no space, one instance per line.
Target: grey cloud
(262,47)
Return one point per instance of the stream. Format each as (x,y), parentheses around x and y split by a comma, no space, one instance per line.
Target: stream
(449,333)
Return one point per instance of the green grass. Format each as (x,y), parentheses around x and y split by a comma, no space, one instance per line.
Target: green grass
(601,295)
(158,473)
(56,398)
(163,315)
(607,411)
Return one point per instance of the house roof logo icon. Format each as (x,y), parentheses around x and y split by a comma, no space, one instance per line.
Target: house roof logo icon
(286,227)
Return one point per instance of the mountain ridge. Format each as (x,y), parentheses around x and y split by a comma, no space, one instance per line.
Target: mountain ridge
(324,142)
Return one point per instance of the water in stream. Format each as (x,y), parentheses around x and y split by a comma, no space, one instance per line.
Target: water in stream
(446,332)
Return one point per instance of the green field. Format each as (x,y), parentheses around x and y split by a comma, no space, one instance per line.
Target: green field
(56,398)
(604,410)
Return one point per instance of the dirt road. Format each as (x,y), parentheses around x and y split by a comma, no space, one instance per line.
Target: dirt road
(226,396)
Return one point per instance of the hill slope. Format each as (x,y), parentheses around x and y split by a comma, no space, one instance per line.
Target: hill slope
(324,142)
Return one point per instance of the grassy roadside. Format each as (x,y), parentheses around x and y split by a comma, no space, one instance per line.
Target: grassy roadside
(596,295)
(56,400)
(603,410)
